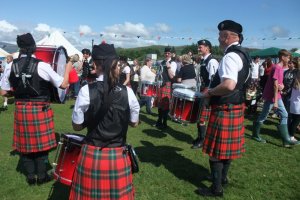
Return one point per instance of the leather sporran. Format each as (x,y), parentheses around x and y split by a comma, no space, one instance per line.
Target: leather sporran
(133,158)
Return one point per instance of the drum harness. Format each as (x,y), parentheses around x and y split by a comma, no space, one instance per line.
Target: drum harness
(26,73)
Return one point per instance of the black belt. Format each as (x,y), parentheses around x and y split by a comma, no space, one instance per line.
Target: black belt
(227,107)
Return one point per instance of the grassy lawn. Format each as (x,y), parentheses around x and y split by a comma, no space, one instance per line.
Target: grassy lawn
(170,169)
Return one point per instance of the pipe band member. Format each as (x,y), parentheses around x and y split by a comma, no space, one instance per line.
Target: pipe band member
(224,140)
(34,134)
(105,108)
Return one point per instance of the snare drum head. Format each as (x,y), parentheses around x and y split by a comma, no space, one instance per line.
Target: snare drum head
(180,85)
(183,93)
(73,137)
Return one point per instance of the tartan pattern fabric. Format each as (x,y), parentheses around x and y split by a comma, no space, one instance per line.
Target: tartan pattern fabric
(102,174)
(33,127)
(205,110)
(204,113)
(164,96)
(225,132)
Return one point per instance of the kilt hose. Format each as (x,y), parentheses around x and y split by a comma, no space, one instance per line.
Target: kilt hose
(33,127)
(102,174)
(225,132)
(164,96)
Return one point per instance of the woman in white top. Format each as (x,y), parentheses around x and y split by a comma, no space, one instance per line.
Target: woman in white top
(294,115)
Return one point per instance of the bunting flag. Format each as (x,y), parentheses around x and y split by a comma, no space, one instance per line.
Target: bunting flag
(188,38)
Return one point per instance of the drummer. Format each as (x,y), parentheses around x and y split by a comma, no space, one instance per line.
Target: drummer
(105,108)
(187,74)
(167,71)
(147,74)
(30,79)
(208,68)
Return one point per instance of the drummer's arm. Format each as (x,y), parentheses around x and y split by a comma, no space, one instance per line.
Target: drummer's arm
(65,82)
(178,80)
(224,88)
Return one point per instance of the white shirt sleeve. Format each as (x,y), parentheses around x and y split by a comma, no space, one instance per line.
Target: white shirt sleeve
(133,105)
(230,66)
(46,72)
(81,105)
(212,67)
(126,70)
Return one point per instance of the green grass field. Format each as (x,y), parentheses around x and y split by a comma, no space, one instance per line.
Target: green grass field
(169,168)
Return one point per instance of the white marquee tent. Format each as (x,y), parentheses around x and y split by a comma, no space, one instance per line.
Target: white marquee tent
(3,53)
(57,39)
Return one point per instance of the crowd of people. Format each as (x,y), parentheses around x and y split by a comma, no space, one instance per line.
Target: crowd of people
(109,93)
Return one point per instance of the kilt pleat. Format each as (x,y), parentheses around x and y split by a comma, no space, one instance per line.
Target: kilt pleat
(33,127)
(102,174)
(225,133)
(164,96)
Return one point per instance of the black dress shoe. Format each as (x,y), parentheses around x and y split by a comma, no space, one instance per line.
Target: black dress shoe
(46,179)
(158,125)
(31,181)
(197,145)
(210,192)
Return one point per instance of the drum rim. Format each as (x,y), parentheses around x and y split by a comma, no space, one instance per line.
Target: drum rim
(149,82)
(181,84)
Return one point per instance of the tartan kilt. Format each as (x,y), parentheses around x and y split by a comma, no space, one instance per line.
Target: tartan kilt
(164,96)
(33,127)
(225,132)
(205,110)
(204,113)
(102,174)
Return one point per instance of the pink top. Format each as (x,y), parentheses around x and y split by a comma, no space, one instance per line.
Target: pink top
(276,74)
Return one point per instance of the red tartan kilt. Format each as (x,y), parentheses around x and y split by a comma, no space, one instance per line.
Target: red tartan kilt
(102,174)
(204,114)
(164,96)
(33,127)
(225,133)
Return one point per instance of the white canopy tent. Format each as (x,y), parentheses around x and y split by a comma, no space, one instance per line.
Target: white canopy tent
(3,53)
(57,39)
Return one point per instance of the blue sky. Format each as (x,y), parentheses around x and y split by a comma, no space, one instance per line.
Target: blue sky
(266,23)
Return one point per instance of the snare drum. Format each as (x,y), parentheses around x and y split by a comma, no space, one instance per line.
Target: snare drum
(148,89)
(185,105)
(180,85)
(66,157)
(57,58)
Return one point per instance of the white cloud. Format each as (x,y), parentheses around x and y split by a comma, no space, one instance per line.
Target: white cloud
(161,27)
(278,31)
(42,28)
(128,29)
(85,29)
(7,27)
